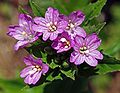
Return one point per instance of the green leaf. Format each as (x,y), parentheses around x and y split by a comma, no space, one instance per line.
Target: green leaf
(69,74)
(39,7)
(10,86)
(22,10)
(36,11)
(94,28)
(107,65)
(93,9)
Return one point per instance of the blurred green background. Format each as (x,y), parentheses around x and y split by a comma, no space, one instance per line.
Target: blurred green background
(11,62)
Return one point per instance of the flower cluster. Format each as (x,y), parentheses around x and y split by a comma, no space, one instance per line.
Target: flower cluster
(64,32)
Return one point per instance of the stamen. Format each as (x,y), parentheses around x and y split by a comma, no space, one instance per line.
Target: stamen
(66,42)
(83,50)
(52,27)
(70,26)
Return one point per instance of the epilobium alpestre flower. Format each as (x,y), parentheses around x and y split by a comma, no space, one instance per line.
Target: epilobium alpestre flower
(50,26)
(63,43)
(23,32)
(74,20)
(85,50)
(35,68)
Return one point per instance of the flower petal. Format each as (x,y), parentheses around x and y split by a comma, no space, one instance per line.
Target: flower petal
(73,56)
(52,15)
(28,80)
(95,45)
(91,61)
(91,39)
(77,17)
(40,21)
(16,32)
(45,68)
(20,44)
(36,77)
(25,71)
(53,36)
(79,40)
(28,60)
(46,35)
(80,31)
(80,59)
(39,28)
(24,20)
(96,54)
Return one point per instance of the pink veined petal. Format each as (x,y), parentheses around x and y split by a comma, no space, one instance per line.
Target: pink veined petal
(28,80)
(77,17)
(25,71)
(40,21)
(45,68)
(37,61)
(63,49)
(73,56)
(79,60)
(36,77)
(34,39)
(76,47)
(62,24)
(28,61)
(79,40)
(63,17)
(56,45)
(96,54)
(91,61)
(95,45)
(51,15)
(91,39)
(20,44)
(59,30)
(46,35)
(16,32)
(80,32)
(24,19)
(39,28)
(53,36)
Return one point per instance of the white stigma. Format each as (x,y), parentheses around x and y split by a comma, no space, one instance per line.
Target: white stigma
(52,26)
(84,50)
(67,43)
(63,39)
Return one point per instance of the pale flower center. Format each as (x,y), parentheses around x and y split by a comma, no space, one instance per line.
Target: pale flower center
(24,33)
(35,69)
(39,68)
(52,26)
(84,50)
(65,42)
(27,36)
(70,25)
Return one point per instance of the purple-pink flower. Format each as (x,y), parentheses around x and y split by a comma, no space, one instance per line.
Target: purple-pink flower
(85,50)
(50,26)
(63,43)
(35,68)
(23,32)
(74,20)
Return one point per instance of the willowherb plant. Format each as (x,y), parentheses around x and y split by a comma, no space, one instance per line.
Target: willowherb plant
(65,34)
(60,45)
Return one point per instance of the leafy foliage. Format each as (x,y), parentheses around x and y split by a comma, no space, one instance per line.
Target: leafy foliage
(64,77)
(108,64)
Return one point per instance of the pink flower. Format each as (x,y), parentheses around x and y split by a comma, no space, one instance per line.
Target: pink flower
(35,68)
(50,26)
(85,50)
(23,32)
(74,20)
(63,43)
